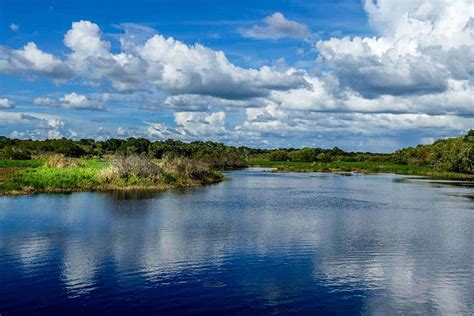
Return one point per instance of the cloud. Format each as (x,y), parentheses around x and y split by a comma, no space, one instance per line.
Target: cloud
(121,132)
(276,26)
(159,63)
(79,102)
(161,131)
(34,125)
(45,101)
(196,102)
(135,34)
(422,45)
(200,123)
(31,62)
(366,130)
(84,39)
(14,27)
(177,68)
(6,103)
(413,78)
(317,97)
(191,125)
(72,101)
(325,95)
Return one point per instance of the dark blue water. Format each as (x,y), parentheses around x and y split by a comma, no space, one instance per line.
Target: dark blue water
(259,243)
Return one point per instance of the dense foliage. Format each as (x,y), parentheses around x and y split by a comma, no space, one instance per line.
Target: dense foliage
(453,154)
(317,155)
(217,155)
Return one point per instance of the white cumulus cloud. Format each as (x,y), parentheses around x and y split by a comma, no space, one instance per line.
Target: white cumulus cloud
(421,46)
(31,61)
(79,102)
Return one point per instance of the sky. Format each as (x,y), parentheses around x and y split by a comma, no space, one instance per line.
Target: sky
(373,75)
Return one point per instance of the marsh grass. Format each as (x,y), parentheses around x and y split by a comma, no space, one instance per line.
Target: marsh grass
(60,174)
(55,175)
(361,167)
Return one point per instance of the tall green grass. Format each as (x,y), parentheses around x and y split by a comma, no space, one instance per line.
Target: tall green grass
(35,176)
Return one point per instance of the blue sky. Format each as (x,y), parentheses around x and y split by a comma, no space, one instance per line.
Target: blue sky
(366,75)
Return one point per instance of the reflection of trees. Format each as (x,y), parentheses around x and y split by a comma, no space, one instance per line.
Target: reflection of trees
(121,195)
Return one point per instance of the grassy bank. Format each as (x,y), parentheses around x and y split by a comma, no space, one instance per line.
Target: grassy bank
(360,167)
(60,175)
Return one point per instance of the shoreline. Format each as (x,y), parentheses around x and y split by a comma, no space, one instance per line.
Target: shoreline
(109,188)
(157,188)
(363,168)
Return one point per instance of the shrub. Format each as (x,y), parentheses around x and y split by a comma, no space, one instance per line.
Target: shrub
(188,168)
(129,166)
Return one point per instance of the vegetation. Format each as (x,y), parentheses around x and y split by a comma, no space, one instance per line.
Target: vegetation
(451,158)
(365,167)
(453,154)
(64,165)
(62,174)
(217,155)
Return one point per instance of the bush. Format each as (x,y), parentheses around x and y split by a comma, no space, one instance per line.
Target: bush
(129,166)
(188,168)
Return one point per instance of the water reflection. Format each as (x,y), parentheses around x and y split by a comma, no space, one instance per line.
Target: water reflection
(277,242)
(79,268)
(134,194)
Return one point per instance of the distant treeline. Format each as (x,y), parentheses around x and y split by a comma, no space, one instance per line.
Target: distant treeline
(453,154)
(308,154)
(215,154)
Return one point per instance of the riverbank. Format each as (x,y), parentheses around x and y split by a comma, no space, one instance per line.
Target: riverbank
(65,175)
(360,167)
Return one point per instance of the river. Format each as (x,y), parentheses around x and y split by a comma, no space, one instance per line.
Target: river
(258,243)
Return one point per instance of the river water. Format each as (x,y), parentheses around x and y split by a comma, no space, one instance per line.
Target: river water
(259,243)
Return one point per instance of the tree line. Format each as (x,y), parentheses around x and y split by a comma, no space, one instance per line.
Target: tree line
(215,154)
(452,154)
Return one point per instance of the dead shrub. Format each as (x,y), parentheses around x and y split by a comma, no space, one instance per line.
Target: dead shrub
(187,168)
(127,166)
